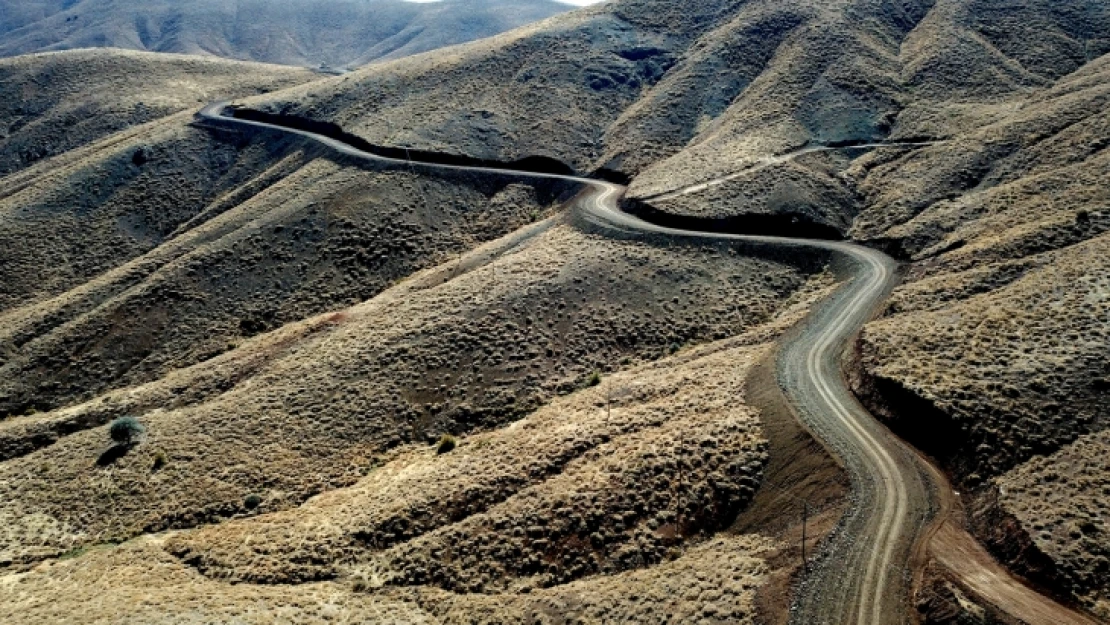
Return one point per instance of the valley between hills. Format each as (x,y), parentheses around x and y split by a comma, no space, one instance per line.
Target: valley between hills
(616,317)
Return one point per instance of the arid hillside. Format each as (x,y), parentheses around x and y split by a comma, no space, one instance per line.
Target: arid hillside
(57,102)
(332,34)
(386,391)
(291,327)
(992,355)
(676,96)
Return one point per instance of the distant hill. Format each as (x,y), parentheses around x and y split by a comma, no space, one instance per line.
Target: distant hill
(311,33)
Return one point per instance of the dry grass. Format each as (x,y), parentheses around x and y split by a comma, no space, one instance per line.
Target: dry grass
(715,581)
(309,407)
(1063,503)
(56,102)
(332,33)
(139,583)
(673,457)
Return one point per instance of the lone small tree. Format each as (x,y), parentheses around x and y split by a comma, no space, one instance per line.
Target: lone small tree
(125,430)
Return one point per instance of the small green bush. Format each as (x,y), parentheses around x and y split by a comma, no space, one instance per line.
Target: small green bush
(446,443)
(594,379)
(160,459)
(125,430)
(252,501)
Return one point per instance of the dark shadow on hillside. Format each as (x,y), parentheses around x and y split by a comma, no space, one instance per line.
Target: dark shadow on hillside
(530,164)
(792,225)
(109,456)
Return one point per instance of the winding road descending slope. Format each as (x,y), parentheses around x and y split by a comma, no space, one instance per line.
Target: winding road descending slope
(863,576)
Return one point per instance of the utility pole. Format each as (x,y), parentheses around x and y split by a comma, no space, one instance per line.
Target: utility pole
(805,518)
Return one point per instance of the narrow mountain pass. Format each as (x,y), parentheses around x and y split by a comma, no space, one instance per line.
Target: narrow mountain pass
(865,571)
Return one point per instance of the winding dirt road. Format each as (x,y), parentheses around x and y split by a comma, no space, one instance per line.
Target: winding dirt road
(863,576)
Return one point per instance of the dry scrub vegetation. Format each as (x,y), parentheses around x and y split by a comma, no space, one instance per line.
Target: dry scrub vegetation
(313,405)
(1062,501)
(55,102)
(615,489)
(607,479)
(295,331)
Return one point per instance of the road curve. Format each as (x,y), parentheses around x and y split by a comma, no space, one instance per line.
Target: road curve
(862,576)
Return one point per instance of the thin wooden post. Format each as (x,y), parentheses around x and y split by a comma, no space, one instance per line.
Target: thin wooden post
(805,518)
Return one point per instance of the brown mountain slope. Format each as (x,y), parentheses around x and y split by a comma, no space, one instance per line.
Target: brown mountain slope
(993,353)
(286,323)
(53,103)
(311,33)
(275,239)
(554,483)
(475,352)
(680,97)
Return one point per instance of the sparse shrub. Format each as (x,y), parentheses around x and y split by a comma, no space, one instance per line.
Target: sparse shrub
(252,501)
(1083,217)
(446,443)
(140,157)
(594,379)
(160,460)
(125,430)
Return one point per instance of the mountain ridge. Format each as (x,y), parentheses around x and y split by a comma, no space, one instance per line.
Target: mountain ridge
(334,34)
